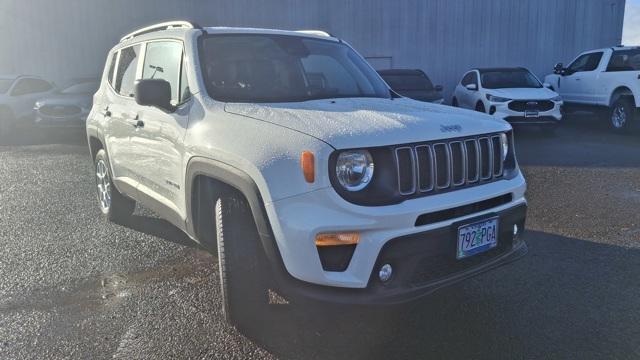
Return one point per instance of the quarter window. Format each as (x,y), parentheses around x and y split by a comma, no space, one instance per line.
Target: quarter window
(112,67)
(586,62)
(127,68)
(31,86)
(163,60)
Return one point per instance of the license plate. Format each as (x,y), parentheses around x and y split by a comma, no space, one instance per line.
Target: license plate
(477,238)
(531,114)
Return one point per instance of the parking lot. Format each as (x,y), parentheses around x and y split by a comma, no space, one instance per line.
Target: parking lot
(73,286)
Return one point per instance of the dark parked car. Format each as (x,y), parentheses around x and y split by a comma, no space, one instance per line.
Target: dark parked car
(68,107)
(414,84)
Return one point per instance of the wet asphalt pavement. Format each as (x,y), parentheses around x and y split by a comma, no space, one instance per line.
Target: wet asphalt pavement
(73,286)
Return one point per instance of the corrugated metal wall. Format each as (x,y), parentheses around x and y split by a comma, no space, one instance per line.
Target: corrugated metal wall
(69,38)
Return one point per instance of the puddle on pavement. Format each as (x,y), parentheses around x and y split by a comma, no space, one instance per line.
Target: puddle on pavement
(113,288)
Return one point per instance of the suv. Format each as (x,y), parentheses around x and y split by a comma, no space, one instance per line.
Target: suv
(604,78)
(287,154)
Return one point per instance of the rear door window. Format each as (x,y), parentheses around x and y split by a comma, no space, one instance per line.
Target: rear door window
(163,60)
(624,60)
(126,73)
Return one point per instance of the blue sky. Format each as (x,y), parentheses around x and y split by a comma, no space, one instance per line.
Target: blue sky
(631,32)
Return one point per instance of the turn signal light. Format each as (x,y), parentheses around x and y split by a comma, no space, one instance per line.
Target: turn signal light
(308,164)
(337,239)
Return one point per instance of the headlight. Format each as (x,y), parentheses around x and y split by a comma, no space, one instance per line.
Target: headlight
(497,99)
(504,144)
(557,99)
(354,169)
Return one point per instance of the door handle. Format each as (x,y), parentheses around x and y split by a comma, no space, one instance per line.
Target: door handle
(138,124)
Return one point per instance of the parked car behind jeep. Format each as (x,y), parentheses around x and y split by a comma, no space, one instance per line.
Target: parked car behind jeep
(68,107)
(286,154)
(414,84)
(604,79)
(18,94)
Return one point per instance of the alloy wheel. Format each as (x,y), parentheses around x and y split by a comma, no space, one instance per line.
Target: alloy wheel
(103,181)
(619,117)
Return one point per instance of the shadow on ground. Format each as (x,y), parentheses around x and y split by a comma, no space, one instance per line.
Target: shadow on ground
(567,298)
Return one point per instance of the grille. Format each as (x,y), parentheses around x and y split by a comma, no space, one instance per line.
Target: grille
(60,110)
(531,105)
(443,166)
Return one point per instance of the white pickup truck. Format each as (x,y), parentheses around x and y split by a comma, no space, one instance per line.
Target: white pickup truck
(605,78)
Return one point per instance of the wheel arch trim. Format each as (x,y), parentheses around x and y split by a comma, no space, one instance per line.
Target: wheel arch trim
(243,183)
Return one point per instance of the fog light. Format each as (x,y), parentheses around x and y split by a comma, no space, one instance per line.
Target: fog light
(385,273)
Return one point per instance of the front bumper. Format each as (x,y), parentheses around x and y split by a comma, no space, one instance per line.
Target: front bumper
(296,221)
(550,117)
(74,121)
(423,263)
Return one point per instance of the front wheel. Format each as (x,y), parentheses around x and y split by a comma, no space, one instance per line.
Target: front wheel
(620,114)
(480,107)
(115,207)
(454,102)
(240,261)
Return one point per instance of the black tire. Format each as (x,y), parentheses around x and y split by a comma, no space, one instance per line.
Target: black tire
(621,114)
(6,125)
(480,107)
(241,262)
(454,103)
(118,208)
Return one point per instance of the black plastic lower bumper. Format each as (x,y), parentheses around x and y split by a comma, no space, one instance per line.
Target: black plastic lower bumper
(422,263)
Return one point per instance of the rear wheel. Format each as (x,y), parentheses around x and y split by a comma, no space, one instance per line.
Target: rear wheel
(480,107)
(114,206)
(621,114)
(454,102)
(241,262)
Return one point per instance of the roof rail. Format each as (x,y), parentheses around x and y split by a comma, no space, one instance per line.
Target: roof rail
(161,26)
(315,32)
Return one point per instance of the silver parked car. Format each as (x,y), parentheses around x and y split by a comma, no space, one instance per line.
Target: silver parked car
(18,94)
(68,107)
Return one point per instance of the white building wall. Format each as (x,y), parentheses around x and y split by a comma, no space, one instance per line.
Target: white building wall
(61,39)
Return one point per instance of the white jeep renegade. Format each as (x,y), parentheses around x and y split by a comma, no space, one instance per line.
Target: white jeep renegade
(287,154)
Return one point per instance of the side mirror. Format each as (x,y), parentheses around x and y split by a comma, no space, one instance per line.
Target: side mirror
(472,87)
(154,92)
(558,69)
(438,88)
(547,85)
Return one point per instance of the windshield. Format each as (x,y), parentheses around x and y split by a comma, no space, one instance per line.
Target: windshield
(277,68)
(81,88)
(505,79)
(408,82)
(5,84)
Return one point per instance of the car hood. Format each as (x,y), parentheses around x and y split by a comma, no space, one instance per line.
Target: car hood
(369,122)
(82,100)
(524,93)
